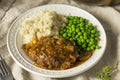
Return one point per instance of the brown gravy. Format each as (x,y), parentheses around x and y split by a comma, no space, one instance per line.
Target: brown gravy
(54,54)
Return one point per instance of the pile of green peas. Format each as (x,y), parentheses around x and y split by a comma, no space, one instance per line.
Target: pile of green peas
(79,30)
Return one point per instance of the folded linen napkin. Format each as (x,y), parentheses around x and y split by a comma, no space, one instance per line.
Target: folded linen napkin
(109,16)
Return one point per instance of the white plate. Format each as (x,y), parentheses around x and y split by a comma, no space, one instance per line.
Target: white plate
(14,42)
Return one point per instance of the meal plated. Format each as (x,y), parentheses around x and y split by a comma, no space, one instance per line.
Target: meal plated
(54,41)
(68,43)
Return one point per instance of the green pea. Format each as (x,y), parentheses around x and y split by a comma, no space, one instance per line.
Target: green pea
(87,26)
(81,20)
(77,30)
(64,35)
(81,24)
(85,37)
(92,35)
(80,33)
(76,36)
(70,31)
(71,39)
(82,40)
(88,49)
(84,45)
(77,20)
(96,38)
(91,39)
(92,47)
(90,24)
(97,47)
(85,34)
(69,34)
(87,40)
(81,37)
(61,32)
(79,41)
(96,34)
(93,31)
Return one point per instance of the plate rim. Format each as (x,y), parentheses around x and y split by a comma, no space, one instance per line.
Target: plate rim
(45,75)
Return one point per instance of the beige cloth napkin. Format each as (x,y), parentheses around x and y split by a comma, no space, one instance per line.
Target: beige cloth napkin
(109,16)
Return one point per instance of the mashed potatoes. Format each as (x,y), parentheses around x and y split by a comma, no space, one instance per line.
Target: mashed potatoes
(45,23)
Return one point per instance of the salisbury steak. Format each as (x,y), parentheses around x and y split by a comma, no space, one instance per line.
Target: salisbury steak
(52,53)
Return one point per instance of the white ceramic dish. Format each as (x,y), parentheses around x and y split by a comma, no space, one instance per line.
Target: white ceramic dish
(14,42)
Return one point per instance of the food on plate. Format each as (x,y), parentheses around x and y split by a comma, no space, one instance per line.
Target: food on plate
(52,53)
(44,23)
(58,42)
(84,34)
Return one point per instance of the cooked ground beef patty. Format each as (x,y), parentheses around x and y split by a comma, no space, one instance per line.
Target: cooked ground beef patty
(52,53)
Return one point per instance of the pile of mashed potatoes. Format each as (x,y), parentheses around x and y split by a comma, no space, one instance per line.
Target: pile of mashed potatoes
(44,23)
